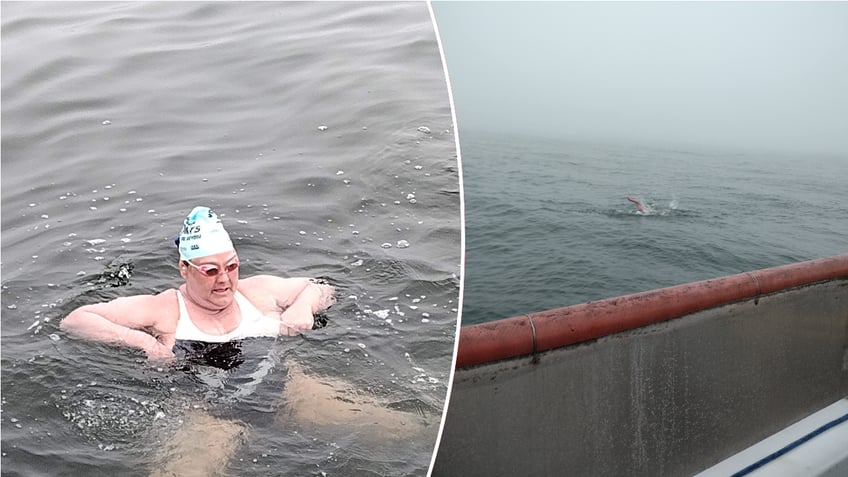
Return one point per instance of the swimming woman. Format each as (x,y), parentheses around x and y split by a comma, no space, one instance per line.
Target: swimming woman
(638,203)
(213,305)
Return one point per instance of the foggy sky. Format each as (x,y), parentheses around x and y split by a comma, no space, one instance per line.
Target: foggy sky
(759,75)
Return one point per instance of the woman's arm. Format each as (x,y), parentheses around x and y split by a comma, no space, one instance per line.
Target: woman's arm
(298,299)
(312,298)
(638,203)
(122,321)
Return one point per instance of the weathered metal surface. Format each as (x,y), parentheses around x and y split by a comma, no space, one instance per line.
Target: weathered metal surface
(521,335)
(670,398)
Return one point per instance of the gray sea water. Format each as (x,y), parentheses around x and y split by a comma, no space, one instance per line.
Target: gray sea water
(321,134)
(548,225)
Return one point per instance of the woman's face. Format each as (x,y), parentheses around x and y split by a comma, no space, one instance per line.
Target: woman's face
(211,281)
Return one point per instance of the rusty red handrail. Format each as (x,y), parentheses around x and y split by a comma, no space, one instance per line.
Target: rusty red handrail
(532,333)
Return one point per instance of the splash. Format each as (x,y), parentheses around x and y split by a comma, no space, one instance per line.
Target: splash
(649,208)
(112,419)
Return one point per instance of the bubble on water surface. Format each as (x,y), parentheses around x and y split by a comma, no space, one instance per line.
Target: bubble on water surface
(109,417)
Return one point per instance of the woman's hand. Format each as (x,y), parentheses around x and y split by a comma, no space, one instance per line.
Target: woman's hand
(326,295)
(298,317)
(159,352)
(312,298)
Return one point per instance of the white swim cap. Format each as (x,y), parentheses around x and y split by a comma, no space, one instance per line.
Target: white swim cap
(203,234)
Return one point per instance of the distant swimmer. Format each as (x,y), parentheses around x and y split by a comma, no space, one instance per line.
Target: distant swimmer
(638,203)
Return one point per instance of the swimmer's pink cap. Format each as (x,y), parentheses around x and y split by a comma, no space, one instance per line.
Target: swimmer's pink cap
(203,234)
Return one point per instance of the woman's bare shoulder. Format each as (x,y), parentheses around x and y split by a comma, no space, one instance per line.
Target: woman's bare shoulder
(141,309)
(271,282)
(147,301)
(259,288)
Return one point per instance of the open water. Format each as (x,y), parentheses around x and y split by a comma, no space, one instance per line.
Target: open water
(320,132)
(548,225)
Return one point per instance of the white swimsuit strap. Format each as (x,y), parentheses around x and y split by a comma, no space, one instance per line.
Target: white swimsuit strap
(187,330)
(253,323)
(249,312)
(183,309)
